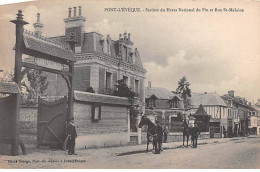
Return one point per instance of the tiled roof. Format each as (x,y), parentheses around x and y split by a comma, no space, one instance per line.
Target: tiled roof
(9,88)
(100,98)
(49,47)
(206,99)
(201,111)
(160,93)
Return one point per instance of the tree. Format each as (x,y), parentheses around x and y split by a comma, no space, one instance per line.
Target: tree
(7,77)
(90,90)
(184,91)
(122,90)
(37,82)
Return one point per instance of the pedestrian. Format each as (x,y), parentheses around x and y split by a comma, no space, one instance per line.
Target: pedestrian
(195,132)
(72,135)
(158,140)
(165,133)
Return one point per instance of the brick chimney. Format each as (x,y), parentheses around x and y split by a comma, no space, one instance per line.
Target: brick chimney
(231,93)
(38,26)
(149,84)
(75,24)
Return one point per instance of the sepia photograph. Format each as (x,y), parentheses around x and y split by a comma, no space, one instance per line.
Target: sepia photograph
(130,84)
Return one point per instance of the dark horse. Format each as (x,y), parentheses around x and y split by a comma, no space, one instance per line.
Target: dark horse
(154,132)
(186,132)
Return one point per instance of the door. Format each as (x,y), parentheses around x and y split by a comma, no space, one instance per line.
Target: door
(51,123)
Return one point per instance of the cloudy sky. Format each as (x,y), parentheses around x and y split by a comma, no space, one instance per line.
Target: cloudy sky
(216,51)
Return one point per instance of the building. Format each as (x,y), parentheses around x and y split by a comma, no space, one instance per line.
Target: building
(257,108)
(243,114)
(167,106)
(101,61)
(214,106)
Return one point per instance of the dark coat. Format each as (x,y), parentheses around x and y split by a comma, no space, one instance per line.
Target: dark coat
(159,132)
(195,132)
(71,130)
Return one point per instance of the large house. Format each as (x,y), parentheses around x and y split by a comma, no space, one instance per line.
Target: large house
(101,61)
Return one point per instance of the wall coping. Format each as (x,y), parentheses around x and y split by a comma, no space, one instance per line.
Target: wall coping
(100,98)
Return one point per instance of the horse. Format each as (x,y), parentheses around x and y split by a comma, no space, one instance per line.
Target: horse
(185,133)
(152,131)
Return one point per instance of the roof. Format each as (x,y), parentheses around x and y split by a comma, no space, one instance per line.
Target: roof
(48,46)
(201,111)
(160,93)
(100,98)
(212,99)
(9,88)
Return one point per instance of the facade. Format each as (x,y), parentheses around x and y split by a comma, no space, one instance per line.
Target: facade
(242,115)
(215,107)
(101,61)
(167,106)
(257,108)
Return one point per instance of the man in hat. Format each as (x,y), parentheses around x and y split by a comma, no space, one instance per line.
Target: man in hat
(159,132)
(72,135)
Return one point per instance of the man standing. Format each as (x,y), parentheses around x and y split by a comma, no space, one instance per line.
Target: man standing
(195,132)
(159,133)
(72,135)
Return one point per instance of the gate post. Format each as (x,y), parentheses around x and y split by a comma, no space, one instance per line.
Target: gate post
(19,22)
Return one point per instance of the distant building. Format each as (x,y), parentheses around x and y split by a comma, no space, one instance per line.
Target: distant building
(257,108)
(242,112)
(167,106)
(214,106)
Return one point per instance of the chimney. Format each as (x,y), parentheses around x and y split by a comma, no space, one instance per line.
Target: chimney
(38,26)
(79,10)
(38,17)
(75,24)
(249,103)
(128,36)
(75,11)
(231,93)
(149,84)
(69,12)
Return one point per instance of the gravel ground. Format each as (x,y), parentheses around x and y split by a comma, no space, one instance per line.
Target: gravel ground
(239,152)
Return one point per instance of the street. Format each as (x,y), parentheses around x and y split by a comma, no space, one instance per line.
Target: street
(243,152)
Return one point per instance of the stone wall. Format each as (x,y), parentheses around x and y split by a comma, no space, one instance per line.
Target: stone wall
(112,129)
(28,126)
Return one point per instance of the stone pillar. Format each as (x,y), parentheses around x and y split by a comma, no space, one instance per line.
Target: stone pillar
(139,130)
(128,125)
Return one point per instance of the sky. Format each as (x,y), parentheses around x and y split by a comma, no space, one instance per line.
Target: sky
(216,51)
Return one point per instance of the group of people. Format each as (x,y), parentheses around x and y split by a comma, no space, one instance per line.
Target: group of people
(160,137)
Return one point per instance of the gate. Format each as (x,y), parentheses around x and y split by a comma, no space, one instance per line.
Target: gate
(51,123)
(211,132)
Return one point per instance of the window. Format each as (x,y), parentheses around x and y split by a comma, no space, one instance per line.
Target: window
(125,53)
(77,49)
(96,112)
(108,80)
(136,86)
(125,79)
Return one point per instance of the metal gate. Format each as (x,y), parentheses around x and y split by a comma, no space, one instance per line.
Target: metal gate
(51,123)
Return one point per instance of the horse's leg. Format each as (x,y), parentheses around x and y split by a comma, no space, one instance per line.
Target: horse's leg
(188,140)
(183,138)
(147,137)
(159,147)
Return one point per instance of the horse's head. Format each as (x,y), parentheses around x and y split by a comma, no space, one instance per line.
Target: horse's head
(143,121)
